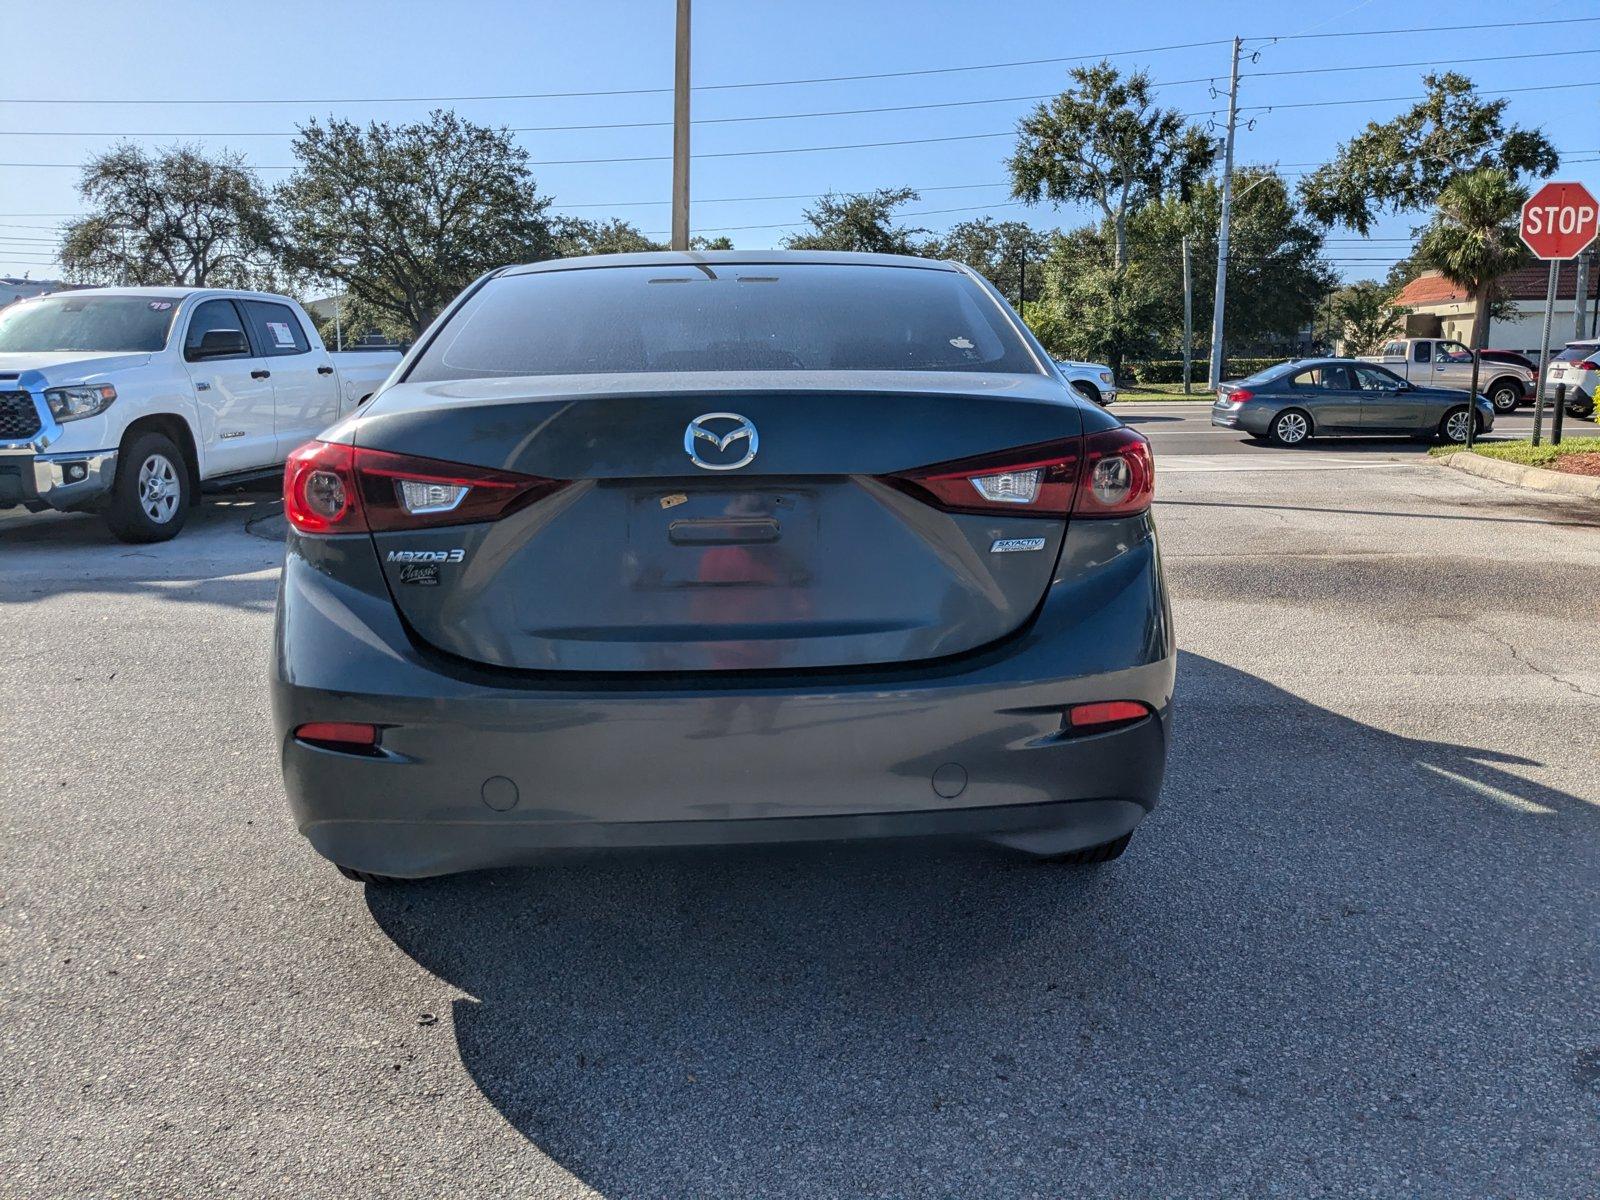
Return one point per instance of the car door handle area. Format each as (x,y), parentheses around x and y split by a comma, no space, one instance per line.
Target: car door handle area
(324,369)
(260,374)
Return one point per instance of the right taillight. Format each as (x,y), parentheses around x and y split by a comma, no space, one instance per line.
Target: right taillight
(1586,365)
(1117,477)
(330,488)
(1106,474)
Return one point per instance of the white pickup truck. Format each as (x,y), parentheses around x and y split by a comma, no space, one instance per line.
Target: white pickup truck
(1439,362)
(128,401)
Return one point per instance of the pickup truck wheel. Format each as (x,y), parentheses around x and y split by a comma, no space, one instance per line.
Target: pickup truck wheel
(1505,396)
(150,498)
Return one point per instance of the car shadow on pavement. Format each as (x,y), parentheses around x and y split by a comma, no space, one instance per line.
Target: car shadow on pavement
(213,560)
(1270,990)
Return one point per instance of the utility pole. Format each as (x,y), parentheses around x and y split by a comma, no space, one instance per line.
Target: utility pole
(1580,299)
(1188,319)
(338,328)
(1022,283)
(1544,354)
(1227,216)
(680,134)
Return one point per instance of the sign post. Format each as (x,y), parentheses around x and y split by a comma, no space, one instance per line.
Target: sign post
(1558,223)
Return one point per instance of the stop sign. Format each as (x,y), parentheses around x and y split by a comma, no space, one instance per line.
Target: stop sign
(1559,220)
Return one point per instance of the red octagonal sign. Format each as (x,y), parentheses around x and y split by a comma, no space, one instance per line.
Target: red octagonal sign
(1559,220)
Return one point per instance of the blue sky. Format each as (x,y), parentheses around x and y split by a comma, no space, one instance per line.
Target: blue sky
(356,50)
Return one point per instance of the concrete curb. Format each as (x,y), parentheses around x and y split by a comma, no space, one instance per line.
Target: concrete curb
(1538,478)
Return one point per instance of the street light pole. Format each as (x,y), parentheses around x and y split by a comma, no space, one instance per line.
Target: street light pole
(1227,217)
(680,133)
(1188,320)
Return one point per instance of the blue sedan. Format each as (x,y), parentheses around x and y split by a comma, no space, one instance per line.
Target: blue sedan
(1324,397)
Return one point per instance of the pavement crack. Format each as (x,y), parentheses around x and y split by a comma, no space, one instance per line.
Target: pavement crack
(1517,656)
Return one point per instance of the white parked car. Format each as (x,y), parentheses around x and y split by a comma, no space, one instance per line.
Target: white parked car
(128,401)
(1094,380)
(1577,367)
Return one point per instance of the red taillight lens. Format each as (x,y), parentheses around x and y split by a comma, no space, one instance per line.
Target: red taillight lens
(1118,476)
(1586,365)
(329,488)
(349,736)
(1107,714)
(1240,395)
(1106,474)
(1029,481)
(319,489)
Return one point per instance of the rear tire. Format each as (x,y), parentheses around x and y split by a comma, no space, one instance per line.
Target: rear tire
(371,877)
(150,496)
(1453,427)
(1291,427)
(1090,855)
(1505,395)
(1579,410)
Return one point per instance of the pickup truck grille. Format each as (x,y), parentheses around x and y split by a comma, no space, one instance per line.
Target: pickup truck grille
(18,416)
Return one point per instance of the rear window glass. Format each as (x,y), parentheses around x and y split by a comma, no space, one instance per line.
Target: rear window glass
(110,324)
(1265,375)
(1577,351)
(725,317)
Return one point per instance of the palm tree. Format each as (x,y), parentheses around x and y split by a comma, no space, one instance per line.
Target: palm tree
(1473,240)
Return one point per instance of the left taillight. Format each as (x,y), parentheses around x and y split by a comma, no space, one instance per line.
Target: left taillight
(329,488)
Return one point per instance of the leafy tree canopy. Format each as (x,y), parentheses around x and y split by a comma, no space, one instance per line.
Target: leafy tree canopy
(1403,165)
(1367,316)
(179,216)
(996,250)
(1105,141)
(861,221)
(1474,236)
(405,216)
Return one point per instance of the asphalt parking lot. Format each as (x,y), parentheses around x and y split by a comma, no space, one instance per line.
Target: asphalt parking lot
(1353,954)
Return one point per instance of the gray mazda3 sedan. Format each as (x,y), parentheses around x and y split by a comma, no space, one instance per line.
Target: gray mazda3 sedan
(720,547)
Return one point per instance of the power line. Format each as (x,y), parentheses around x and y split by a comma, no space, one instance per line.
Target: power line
(1544,87)
(793,116)
(799,116)
(1435,62)
(652,91)
(1294,37)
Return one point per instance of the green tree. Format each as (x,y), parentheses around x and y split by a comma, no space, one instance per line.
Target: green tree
(858,221)
(1277,275)
(1091,308)
(1106,142)
(1474,239)
(1404,165)
(405,216)
(1366,315)
(577,236)
(179,217)
(997,250)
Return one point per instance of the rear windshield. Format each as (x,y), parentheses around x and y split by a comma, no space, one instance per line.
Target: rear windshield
(1577,351)
(725,317)
(110,324)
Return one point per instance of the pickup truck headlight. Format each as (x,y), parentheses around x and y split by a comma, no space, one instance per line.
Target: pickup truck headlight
(1105,376)
(76,403)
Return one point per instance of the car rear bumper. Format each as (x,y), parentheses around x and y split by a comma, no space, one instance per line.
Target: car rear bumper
(481,768)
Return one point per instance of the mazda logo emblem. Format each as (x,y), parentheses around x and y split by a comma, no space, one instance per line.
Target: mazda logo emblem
(699,433)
